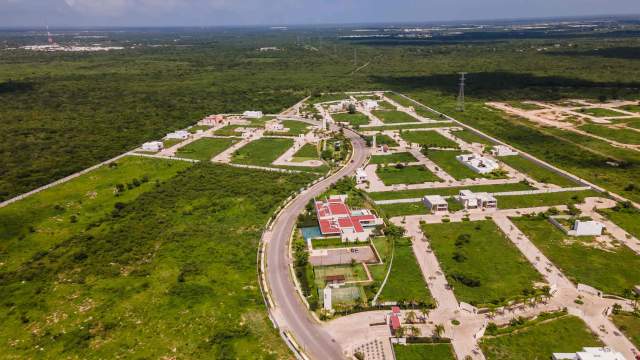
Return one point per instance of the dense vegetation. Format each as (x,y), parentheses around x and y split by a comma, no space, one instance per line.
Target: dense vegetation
(145,281)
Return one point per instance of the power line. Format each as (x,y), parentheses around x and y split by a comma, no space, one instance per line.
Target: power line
(461,92)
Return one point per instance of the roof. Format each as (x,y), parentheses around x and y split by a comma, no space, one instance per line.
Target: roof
(435,200)
(335,217)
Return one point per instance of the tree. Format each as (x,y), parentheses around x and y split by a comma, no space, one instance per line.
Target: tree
(438,331)
(400,332)
(616,309)
(415,331)
(411,317)
(351,108)
(425,313)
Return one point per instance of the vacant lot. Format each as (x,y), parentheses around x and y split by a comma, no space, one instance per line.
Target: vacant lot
(469,137)
(306,152)
(536,171)
(424,351)
(447,161)
(403,209)
(145,281)
(550,199)
(405,281)
(408,103)
(540,341)
(206,148)
(418,193)
(381,139)
(632,108)
(410,126)
(625,136)
(33,225)
(262,152)
(612,270)
(295,127)
(626,218)
(525,106)
(600,112)
(401,157)
(393,116)
(413,174)
(353,119)
(629,324)
(463,249)
(429,139)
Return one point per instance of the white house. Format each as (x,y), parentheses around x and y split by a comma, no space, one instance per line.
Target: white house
(435,203)
(369,104)
(587,228)
(501,150)
(478,163)
(154,146)
(471,200)
(178,135)
(361,176)
(252,114)
(590,353)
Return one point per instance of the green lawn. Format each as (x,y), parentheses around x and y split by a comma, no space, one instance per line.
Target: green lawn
(405,281)
(403,209)
(625,218)
(172,273)
(351,273)
(394,116)
(540,341)
(295,128)
(469,137)
(612,270)
(381,139)
(170,142)
(306,152)
(230,130)
(419,193)
(442,124)
(600,112)
(353,119)
(334,243)
(36,223)
(428,138)
(524,106)
(550,199)
(629,324)
(631,108)
(412,174)
(194,129)
(463,250)
(424,352)
(447,161)
(394,158)
(625,136)
(536,171)
(204,149)
(262,152)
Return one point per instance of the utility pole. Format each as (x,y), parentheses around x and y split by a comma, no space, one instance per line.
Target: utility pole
(355,56)
(461,92)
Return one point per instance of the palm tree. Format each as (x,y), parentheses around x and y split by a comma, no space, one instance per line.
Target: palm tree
(425,313)
(415,331)
(438,331)
(411,317)
(400,332)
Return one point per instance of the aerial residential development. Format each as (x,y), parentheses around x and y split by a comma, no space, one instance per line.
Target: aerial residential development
(423,190)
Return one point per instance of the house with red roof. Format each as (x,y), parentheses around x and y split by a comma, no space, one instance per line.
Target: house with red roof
(336,219)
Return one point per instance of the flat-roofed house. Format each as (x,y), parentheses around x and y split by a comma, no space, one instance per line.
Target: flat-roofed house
(501,150)
(435,203)
(587,228)
(590,353)
(251,114)
(153,146)
(336,219)
(471,200)
(178,135)
(478,163)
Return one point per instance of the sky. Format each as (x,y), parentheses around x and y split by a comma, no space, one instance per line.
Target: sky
(286,12)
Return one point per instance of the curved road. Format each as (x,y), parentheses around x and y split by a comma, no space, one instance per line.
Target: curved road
(289,311)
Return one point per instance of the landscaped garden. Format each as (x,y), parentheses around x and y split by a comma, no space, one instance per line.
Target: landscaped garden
(614,269)
(262,152)
(206,148)
(540,340)
(393,116)
(401,174)
(428,138)
(463,250)
(424,352)
(393,158)
(33,225)
(536,171)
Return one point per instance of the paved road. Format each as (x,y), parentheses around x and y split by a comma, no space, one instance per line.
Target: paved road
(289,311)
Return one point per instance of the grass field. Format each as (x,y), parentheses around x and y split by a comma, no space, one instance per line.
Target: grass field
(262,152)
(351,273)
(447,161)
(393,116)
(629,324)
(550,199)
(194,129)
(381,139)
(394,158)
(612,270)
(524,106)
(631,108)
(306,152)
(170,142)
(334,243)
(463,249)
(600,112)
(407,103)
(469,137)
(403,209)
(624,136)
(409,126)
(413,174)
(540,341)
(295,127)
(429,138)
(204,149)
(419,193)
(405,281)
(230,130)
(626,219)
(424,352)
(35,224)
(353,119)
(536,172)
(146,281)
